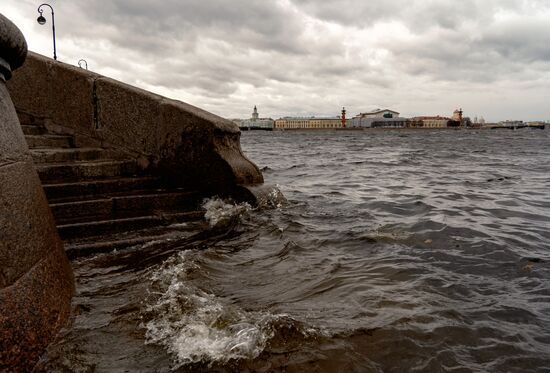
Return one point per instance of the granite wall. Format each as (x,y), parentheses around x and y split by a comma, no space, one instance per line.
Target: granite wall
(36,281)
(187,145)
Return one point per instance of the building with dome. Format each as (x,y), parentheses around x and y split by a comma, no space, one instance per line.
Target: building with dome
(256,123)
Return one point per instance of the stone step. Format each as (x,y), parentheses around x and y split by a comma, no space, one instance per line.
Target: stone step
(75,171)
(124,206)
(49,141)
(33,130)
(90,245)
(106,227)
(66,192)
(30,120)
(52,155)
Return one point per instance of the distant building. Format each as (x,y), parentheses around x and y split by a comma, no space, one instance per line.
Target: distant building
(390,123)
(380,122)
(238,122)
(379,113)
(377,119)
(255,122)
(538,124)
(431,122)
(511,123)
(308,123)
(479,120)
(457,115)
(515,124)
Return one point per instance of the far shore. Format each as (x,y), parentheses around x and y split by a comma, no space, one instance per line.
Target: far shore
(360,129)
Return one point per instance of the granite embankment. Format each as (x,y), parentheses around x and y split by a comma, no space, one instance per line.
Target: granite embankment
(36,280)
(117,162)
(186,145)
(112,160)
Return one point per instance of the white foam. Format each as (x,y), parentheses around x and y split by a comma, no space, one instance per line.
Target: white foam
(196,326)
(276,198)
(219,213)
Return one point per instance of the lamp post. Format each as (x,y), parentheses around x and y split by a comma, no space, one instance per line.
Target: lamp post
(41,20)
(85,63)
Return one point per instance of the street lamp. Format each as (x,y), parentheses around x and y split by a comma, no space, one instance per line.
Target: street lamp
(41,20)
(85,63)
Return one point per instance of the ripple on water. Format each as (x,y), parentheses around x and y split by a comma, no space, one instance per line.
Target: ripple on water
(396,252)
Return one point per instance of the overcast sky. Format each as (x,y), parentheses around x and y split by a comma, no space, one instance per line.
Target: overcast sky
(311,57)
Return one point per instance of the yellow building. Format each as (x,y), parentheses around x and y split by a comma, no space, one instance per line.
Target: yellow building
(432,122)
(307,123)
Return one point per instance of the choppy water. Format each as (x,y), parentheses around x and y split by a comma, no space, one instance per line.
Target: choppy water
(396,252)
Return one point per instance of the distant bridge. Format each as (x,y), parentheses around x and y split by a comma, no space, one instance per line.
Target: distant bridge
(520,125)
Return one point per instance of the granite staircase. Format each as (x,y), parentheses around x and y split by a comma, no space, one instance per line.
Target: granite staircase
(101,201)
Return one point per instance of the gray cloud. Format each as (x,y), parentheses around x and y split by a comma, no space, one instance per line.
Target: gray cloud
(256,24)
(312,57)
(519,40)
(507,49)
(417,15)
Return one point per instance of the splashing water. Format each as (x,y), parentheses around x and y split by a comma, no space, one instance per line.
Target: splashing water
(195,326)
(221,214)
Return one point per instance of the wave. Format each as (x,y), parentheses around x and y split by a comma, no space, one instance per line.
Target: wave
(221,214)
(196,326)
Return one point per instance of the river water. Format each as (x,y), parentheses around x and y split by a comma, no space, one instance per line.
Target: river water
(395,251)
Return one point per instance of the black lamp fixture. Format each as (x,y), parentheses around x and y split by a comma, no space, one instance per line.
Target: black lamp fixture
(41,20)
(83,61)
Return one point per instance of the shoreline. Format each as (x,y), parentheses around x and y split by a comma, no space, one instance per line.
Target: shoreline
(361,129)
